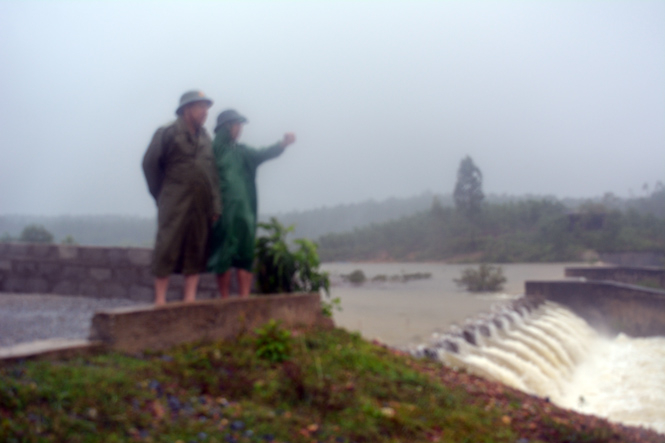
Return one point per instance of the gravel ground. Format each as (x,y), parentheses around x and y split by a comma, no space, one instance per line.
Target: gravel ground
(29,317)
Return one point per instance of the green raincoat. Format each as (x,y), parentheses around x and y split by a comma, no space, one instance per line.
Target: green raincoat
(180,170)
(232,241)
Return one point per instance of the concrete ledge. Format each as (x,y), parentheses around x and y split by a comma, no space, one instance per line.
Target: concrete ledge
(623,274)
(137,329)
(48,349)
(609,307)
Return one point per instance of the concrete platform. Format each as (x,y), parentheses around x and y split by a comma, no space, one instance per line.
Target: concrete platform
(48,349)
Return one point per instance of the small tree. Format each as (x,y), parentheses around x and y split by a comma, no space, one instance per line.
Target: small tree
(36,234)
(69,240)
(486,278)
(468,192)
(281,270)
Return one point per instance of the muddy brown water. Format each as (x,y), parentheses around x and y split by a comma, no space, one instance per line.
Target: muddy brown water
(400,314)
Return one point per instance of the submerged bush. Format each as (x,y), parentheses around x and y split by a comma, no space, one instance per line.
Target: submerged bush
(356,277)
(486,278)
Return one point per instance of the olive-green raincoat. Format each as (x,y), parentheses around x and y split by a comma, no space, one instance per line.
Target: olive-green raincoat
(232,241)
(180,170)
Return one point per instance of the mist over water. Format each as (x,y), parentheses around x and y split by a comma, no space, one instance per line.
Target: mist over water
(549,352)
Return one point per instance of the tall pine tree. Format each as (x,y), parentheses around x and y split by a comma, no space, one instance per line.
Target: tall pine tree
(468,192)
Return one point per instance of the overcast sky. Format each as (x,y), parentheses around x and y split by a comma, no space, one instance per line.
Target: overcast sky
(564,98)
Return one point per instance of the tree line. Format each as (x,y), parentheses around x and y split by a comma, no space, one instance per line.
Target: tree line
(532,230)
(465,225)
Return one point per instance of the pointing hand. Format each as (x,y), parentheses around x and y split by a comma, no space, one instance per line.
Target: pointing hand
(289,138)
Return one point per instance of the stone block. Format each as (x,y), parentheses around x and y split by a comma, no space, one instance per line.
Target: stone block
(42,251)
(89,289)
(113,290)
(146,275)
(74,272)
(68,252)
(65,287)
(139,256)
(116,257)
(16,250)
(25,268)
(49,269)
(14,283)
(93,255)
(127,274)
(141,292)
(5,265)
(100,274)
(37,286)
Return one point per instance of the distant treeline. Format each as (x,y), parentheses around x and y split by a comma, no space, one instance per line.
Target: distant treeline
(536,230)
(511,228)
(92,230)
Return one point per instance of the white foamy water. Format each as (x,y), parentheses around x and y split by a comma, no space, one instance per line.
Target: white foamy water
(623,379)
(553,353)
(619,378)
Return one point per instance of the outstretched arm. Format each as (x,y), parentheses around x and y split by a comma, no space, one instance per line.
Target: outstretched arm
(261,155)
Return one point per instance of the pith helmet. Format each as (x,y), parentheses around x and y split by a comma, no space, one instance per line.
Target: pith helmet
(230,115)
(192,97)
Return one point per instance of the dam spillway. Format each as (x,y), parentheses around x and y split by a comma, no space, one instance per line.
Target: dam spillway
(544,349)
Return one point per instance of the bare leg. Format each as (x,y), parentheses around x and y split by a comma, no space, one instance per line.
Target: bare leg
(161,285)
(244,282)
(191,283)
(223,283)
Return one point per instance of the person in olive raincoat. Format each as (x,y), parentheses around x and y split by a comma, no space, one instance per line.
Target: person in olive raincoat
(179,167)
(232,241)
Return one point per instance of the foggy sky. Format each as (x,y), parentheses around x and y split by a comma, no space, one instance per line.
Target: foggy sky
(386,98)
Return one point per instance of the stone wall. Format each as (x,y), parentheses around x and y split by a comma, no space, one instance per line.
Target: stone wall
(86,271)
(646,276)
(607,306)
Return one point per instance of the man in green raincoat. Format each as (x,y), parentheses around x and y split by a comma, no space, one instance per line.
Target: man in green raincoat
(232,244)
(179,167)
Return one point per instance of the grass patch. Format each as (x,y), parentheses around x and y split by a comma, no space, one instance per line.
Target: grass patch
(331,386)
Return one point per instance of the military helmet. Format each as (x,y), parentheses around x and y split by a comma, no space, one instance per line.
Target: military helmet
(228,116)
(191,97)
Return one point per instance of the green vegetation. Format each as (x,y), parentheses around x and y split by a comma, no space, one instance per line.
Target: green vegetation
(69,240)
(280,270)
(468,193)
(356,277)
(542,230)
(36,234)
(486,278)
(273,343)
(334,387)
(404,277)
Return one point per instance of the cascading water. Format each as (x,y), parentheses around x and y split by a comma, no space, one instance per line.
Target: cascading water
(544,349)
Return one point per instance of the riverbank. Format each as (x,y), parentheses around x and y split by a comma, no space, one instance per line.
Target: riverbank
(334,387)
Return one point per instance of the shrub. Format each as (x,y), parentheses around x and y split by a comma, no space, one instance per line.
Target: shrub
(486,278)
(273,343)
(281,270)
(356,277)
(36,234)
